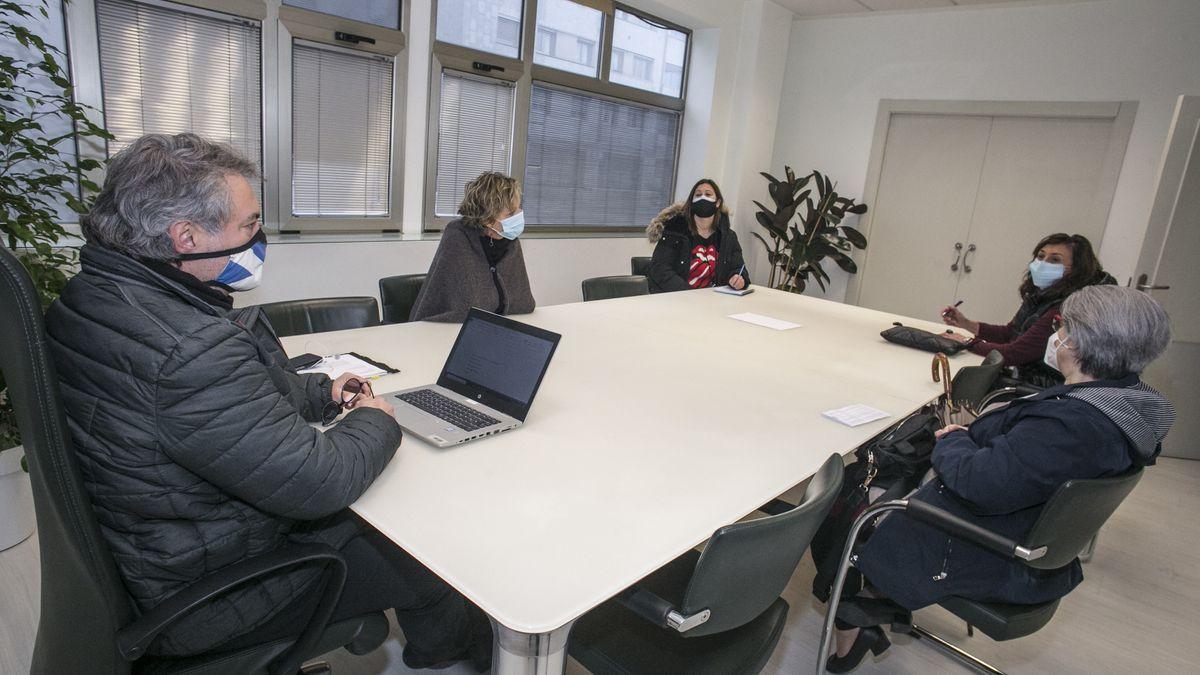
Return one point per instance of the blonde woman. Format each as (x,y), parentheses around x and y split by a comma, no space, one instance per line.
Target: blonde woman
(479,261)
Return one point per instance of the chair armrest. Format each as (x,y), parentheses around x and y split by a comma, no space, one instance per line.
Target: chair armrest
(659,612)
(948,522)
(135,637)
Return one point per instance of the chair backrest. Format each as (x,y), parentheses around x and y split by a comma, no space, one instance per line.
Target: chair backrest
(640,264)
(620,286)
(83,601)
(1074,514)
(317,315)
(745,566)
(972,383)
(398,294)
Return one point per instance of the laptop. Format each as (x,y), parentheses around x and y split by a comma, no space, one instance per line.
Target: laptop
(487,384)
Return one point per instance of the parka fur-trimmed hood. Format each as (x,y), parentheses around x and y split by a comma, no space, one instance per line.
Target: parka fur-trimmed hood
(654,230)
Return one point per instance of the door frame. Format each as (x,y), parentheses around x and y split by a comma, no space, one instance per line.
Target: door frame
(1120,112)
(1177,151)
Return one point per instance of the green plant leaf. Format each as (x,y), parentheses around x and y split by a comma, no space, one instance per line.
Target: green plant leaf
(857,209)
(855,237)
(843,261)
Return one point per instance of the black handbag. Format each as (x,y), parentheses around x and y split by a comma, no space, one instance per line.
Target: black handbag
(896,460)
(921,339)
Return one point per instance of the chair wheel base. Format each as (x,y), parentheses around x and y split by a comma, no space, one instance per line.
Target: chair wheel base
(316,668)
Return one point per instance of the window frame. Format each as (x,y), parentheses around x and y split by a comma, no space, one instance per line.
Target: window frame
(310,26)
(524,72)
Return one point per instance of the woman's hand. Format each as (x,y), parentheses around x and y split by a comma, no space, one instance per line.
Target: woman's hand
(952,317)
(736,282)
(956,337)
(947,429)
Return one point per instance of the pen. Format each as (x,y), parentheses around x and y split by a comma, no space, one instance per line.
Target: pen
(741,270)
(952,307)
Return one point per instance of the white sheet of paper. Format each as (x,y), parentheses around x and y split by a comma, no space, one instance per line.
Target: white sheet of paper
(855,414)
(334,366)
(760,320)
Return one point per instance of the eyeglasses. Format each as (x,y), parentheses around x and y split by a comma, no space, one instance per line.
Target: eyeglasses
(352,391)
(1057,323)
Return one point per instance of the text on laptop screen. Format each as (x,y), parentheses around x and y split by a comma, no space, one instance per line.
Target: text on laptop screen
(495,357)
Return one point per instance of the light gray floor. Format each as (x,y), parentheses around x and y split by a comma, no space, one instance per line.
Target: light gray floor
(1138,610)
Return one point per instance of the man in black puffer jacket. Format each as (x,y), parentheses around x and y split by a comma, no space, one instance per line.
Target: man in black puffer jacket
(194,436)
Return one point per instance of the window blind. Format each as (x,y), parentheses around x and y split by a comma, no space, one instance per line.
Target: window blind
(475,123)
(341,132)
(595,162)
(172,71)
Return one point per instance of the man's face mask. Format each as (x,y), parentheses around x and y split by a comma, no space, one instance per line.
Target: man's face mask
(243,271)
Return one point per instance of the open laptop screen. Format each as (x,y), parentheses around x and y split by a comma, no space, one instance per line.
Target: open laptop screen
(498,362)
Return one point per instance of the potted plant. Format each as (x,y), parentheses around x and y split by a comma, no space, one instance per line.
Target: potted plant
(796,250)
(39,174)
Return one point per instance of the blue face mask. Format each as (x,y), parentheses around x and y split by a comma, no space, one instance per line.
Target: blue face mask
(1045,274)
(243,270)
(512,226)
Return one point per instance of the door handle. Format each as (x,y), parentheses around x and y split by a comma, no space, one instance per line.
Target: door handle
(1144,285)
(957,247)
(966,256)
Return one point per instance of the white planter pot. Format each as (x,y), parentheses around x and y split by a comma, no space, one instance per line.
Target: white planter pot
(16,499)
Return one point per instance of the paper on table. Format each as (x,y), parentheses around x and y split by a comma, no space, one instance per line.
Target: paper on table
(855,415)
(760,320)
(730,290)
(334,366)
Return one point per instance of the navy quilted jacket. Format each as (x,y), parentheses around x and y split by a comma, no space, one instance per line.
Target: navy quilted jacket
(999,474)
(195,444)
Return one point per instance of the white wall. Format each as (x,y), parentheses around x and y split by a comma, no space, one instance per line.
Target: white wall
(719,140)
(1109,50)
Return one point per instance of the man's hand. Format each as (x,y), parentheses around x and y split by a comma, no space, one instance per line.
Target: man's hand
(377,402)
(336,394)
(947,429)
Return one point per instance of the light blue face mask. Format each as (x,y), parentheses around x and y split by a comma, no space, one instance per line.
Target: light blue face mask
(1045,274)
(512,226)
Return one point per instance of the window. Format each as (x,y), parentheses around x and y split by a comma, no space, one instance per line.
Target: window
(642,67)
(508,31)
(593,148)
(596,162)
(469,23)
(341,132)
(660,52)
(384,13)
(475,122)
(564,18)
(545,42)
(170,71)
(587,53)
(618,60)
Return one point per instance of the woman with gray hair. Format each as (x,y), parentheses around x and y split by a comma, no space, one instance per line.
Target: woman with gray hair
(998,474)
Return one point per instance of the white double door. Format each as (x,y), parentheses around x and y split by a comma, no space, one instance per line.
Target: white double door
(962,199)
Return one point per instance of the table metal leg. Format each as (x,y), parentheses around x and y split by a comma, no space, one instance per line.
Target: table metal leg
(517,653)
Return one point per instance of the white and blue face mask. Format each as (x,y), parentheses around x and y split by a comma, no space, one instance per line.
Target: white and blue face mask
(512,226)
(1045,274)
(243,271)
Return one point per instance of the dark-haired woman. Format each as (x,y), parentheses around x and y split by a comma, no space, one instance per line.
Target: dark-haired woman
(1061,265)
(696,247)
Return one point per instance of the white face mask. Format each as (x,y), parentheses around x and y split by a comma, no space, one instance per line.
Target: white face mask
(1052,346)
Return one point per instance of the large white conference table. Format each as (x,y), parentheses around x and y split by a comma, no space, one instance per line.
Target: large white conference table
(660,420)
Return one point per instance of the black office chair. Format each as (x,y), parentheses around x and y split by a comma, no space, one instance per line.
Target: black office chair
(713,612)
(972,384)
(620,286)
(88,623)
(640,265)
(1068,521)
(317,315)
(398,294)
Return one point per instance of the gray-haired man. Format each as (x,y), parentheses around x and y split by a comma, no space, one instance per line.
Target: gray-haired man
(193,434)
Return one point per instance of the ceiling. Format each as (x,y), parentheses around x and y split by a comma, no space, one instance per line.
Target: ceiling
(804,8)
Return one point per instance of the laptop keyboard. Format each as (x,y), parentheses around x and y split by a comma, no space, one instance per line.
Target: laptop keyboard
(447,409)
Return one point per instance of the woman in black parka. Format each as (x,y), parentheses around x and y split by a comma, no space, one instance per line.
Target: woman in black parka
(696,248)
